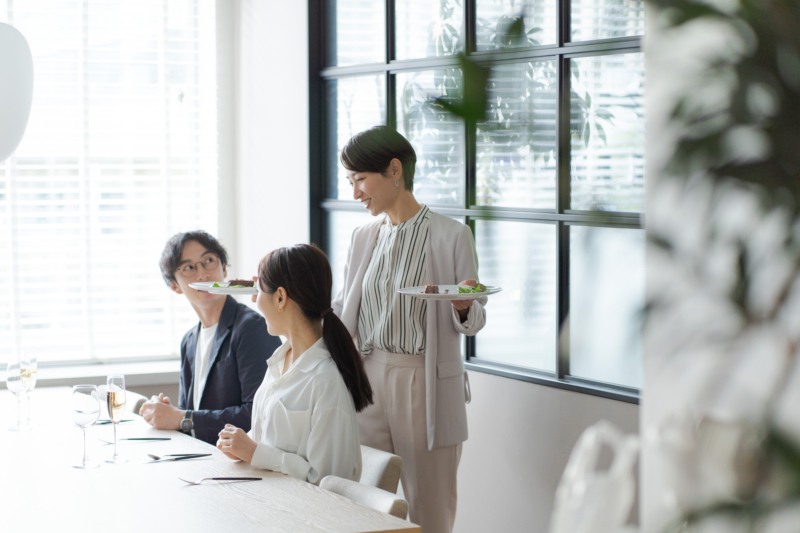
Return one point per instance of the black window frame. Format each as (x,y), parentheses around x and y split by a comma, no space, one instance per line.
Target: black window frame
(563,217)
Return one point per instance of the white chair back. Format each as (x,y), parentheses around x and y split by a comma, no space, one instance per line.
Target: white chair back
(380,469)
(373,497)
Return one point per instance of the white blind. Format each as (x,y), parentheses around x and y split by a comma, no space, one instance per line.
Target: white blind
(120,153)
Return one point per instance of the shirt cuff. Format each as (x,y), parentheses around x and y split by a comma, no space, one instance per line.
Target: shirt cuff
(457,317)
(267,457)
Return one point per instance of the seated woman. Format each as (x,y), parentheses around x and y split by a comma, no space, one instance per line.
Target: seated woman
(304,413)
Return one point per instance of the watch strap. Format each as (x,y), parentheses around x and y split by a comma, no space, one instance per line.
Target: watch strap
(187,424)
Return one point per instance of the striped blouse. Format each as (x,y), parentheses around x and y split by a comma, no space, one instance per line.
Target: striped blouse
(388,321)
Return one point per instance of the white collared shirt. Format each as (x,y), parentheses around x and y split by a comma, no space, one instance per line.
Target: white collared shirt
(304,421)
(201,359)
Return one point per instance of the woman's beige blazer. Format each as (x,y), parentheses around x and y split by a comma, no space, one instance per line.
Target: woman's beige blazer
(450,258)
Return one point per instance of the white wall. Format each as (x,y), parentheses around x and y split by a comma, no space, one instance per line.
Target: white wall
(226,127)
(520,438)
(269,54)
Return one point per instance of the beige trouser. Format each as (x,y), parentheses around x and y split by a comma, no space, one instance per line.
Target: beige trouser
(396,423)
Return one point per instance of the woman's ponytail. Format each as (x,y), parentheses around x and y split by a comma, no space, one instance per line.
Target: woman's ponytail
(305,274)
(347,359)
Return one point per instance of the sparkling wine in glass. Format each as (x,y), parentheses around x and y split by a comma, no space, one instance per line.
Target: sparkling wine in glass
(15,385)
(29,369)
(116,407)
(85,403)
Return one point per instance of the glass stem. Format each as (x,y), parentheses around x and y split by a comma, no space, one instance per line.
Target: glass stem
(84,447)
(115,441)
(27,408)
(19,411)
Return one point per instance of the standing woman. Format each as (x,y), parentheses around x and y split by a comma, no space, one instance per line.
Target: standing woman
(412,346)
(304,413)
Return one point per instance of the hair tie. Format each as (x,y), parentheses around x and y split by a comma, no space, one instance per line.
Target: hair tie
(326,312)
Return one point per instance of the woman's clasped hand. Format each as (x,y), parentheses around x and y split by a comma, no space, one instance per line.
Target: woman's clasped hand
(236,443)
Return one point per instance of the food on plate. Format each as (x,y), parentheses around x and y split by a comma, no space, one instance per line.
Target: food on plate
(240,283)
(235,284)
(467,290)
(431,289)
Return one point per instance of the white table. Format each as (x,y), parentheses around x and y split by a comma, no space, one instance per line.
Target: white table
(41,491)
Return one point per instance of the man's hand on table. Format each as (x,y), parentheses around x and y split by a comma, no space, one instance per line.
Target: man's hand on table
(236,443)
(159,412)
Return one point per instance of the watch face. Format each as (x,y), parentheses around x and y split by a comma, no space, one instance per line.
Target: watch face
(186,424)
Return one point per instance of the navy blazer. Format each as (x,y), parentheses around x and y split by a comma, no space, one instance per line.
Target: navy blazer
(236,367)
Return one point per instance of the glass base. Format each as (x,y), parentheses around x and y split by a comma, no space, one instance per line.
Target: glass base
(20,428)
(88,464)
(117,461)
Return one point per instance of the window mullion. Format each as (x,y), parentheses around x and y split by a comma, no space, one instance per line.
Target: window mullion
(390,31)
(470,346)
(468,27)
(562,300)
(391,100)
(563,193)
(320,30)
(564,22)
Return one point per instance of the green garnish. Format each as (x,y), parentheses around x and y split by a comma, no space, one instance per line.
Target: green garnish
(217,285)
(469,290)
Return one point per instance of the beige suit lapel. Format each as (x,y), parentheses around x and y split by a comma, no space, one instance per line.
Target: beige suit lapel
(359,261)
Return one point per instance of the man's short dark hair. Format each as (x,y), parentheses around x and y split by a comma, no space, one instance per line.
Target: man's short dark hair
(171,256)
(372,150)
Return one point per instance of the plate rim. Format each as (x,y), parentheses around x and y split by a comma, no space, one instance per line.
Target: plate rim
(233,291)
(491,289)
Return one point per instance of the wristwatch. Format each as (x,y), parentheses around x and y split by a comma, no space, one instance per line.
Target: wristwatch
(187,425)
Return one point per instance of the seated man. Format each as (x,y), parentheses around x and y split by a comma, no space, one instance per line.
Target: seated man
(223,358)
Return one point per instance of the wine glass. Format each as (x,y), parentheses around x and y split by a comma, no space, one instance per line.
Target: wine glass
(29,369)
(15,384)
(85,403)
(115,396)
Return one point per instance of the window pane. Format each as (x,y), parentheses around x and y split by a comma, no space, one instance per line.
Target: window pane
(521,320)
(120,153)
(356,32)
(606,19)
(428,28)
(495,17)
(360,103)
(340,226)
(607,126)
(437,136)
(606,302)
(515,159)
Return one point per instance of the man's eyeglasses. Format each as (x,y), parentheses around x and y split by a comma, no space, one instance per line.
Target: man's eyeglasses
(211,262)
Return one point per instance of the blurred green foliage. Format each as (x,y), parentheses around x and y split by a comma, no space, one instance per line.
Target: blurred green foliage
(749,137)
(764,101)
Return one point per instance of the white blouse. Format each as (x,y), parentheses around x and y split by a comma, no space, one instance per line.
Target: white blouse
(305,421)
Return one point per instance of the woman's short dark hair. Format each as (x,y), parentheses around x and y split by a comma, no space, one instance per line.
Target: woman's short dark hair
(372,150)
(305,274)
(171,256)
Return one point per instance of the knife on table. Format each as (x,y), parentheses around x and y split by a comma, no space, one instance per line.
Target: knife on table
(180,458)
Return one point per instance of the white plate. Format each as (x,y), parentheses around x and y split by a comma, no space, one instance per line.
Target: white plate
(209,287)
(453,293)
